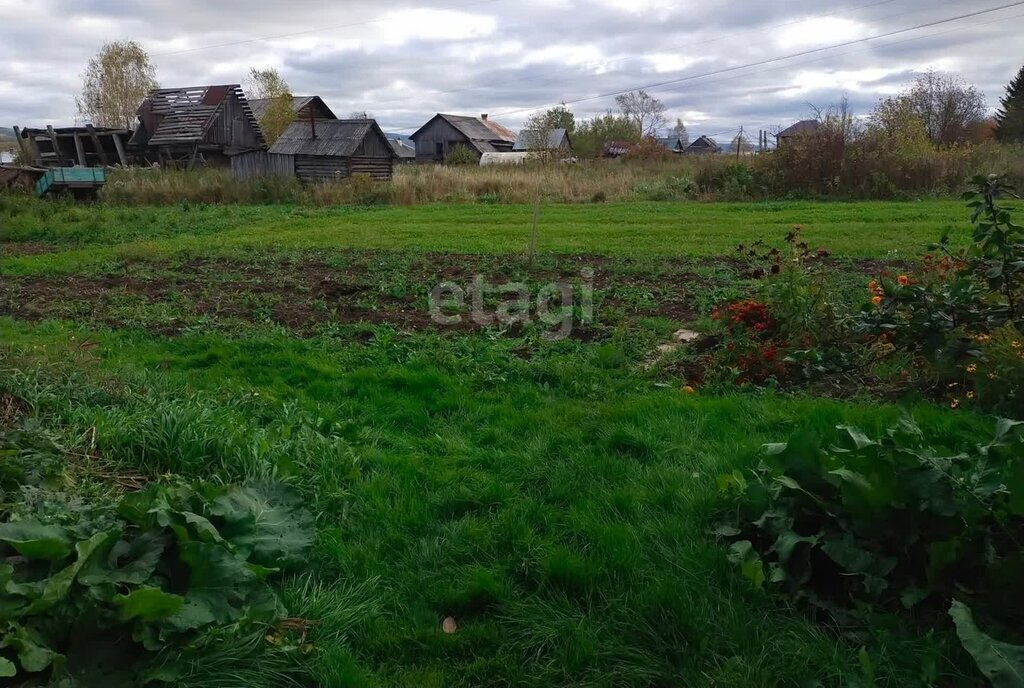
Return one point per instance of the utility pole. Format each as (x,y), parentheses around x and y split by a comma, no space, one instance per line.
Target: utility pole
(739,143)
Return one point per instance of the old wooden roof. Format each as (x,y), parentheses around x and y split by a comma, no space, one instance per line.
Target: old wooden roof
(804,126)
(259,106)
(334,137)
(479,130)
(183,115)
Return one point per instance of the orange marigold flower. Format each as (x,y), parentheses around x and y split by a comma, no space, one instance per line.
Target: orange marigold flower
(688,389)
(903,280)
(876,300)
(972,368)
(872,285)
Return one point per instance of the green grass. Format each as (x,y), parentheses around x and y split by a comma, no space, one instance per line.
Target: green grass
(555,498)
(104,235)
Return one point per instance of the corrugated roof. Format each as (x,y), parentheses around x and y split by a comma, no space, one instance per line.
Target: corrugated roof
(804,126)
(673,143)
(704,142)
(528,138)
(334,137)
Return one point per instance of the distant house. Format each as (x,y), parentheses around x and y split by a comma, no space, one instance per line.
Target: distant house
(555,140)
(805,126)
(672,143)
(404,148)
(321,150)
(196,125)
(435,139)
(616,149)
(304,107)
(86,146)
(703,145)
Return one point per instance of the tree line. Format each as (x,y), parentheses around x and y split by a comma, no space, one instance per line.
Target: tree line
(938,108)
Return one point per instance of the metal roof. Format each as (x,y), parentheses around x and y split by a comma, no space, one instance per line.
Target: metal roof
(673,143)
(527,138)
(705,142)
(804,126)
(475,128)
(334,137)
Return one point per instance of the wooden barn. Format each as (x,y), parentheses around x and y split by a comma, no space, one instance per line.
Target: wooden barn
(86,146)
(322,150)
(703,145)
(304,107)
(201,125)
(435,139)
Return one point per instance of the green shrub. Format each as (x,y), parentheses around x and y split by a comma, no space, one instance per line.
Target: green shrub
(855,525)
(127,591)
(461,155)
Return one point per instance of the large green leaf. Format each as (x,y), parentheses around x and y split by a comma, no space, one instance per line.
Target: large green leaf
(33,655)
(57,586)
(219,582)
(34,540)
(266,522)
(148,604)
(1001,663)
(125,562)
(7,668)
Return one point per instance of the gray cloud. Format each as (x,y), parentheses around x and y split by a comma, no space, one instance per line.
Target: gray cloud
(404,62)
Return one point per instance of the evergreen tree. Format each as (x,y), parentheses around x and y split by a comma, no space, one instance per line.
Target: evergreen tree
(1010,117)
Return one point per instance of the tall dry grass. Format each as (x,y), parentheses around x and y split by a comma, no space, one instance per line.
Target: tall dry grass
(795,174)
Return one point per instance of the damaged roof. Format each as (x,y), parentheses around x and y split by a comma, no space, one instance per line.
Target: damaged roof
(184,115)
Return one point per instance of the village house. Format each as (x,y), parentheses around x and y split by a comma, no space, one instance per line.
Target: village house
(703,145)
(671,143)
(805,126)
(304,107)
(556,140)
(442,133)
(200,125)
(320,150)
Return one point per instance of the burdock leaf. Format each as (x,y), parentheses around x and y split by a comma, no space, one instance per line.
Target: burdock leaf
(267,522)
(1001,663)
(36,541)
(148,604)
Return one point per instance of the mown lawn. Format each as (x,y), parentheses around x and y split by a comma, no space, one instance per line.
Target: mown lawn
(555,498)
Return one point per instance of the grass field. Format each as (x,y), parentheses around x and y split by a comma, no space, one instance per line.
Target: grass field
(555,497)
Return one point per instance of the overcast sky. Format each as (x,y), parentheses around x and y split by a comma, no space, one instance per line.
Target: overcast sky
(404,61)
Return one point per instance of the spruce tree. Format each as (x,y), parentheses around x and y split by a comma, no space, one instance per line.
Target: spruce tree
(1010,117)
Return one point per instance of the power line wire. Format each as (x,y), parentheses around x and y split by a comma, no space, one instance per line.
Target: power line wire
(772,60)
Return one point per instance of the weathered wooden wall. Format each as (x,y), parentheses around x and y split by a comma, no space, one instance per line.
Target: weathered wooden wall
(232,127)
(378,168)
(311,168)
(262,164)
(437,132)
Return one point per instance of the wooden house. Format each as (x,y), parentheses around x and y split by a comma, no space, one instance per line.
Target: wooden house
(671,143)
(304,107)
(201,125)
(556,140)
(86,146)
(442,133)
(806,126)
(703,145)
(321,150)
